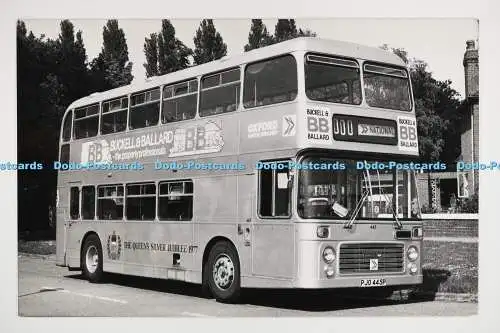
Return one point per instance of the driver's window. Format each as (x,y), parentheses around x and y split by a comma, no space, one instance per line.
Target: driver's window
(274,189)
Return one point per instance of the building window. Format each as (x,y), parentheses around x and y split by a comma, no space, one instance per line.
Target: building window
(145,109)
(110,202)
(88,202)
(86,122)
(141,202)
(220,93)
(332,80)
(114,115)
(74,203)
(179,101)
(275,190)
(270,82)
(176,201)
(66,135)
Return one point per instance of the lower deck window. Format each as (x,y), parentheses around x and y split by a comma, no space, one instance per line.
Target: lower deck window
(88,202)
(110,202)
(74,203)
(176,201)
(141,201)
(275,190)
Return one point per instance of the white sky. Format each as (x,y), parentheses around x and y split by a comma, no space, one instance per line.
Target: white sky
(439,42)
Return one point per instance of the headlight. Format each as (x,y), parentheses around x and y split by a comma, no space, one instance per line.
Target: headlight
(412,268)
(329,271)
(328,255)
(412,253)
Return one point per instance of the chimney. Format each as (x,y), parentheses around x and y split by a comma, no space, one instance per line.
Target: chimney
(471,69)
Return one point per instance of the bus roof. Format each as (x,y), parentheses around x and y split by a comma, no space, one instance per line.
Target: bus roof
(314,44)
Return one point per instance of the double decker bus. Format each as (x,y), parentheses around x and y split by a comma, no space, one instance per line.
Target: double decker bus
(258,170)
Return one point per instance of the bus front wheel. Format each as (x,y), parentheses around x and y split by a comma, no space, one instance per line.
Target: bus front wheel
(92,259)
(223,272)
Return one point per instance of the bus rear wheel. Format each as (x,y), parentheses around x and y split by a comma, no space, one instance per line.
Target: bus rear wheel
(92,259)
(223,272)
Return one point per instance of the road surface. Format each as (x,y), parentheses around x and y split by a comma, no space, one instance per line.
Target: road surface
(48,290)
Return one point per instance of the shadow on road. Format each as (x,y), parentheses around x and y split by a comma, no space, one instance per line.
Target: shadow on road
(304,300)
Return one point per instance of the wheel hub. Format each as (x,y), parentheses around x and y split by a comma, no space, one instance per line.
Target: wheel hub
(223,272)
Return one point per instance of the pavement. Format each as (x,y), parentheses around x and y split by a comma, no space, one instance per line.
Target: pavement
(48,290)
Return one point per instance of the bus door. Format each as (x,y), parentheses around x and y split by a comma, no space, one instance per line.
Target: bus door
(67,210)
(247,190)
(273,234)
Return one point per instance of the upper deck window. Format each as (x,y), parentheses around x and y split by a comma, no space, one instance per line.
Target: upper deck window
(269,82)
(387,87)
(114,115)
(66,131)
(220,93)
(86,121)
(334,80)
(145,109)
(179,101)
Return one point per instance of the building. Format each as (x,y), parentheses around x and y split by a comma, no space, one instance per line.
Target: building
(438,191)
(470,130)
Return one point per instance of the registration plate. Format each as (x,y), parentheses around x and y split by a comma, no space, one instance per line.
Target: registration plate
(373,282)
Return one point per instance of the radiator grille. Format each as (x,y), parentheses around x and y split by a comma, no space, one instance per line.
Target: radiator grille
(355,258)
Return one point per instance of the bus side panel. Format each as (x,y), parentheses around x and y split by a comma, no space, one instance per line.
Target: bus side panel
(75,235)
(216,211)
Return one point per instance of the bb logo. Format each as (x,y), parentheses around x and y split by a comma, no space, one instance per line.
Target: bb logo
(95,152)
(114,246)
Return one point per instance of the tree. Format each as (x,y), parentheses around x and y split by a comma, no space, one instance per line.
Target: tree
(306,33)
(258,36)
(285,30)
(164,52)
(50,75)
(437,109)
(209,44)
(72,69)
(151,53)
(112,68)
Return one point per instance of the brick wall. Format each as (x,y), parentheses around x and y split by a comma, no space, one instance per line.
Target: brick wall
(451,228)
(475,151)
(450,256)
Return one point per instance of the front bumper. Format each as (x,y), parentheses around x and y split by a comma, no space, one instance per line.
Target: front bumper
(355,281)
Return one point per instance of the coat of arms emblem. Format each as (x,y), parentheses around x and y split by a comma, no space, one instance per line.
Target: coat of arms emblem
(114,246)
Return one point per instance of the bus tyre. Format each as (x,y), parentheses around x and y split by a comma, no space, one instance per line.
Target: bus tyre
(223,272)
(92,259)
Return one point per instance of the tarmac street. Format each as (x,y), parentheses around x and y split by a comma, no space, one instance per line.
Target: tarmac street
(48,290)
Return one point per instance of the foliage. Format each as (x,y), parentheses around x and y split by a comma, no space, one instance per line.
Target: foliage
(285,29)
(151,54)
(164,52)
(258,36)
(209,44)
(52,73)
(437,109)
(111,68)
(469,205)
